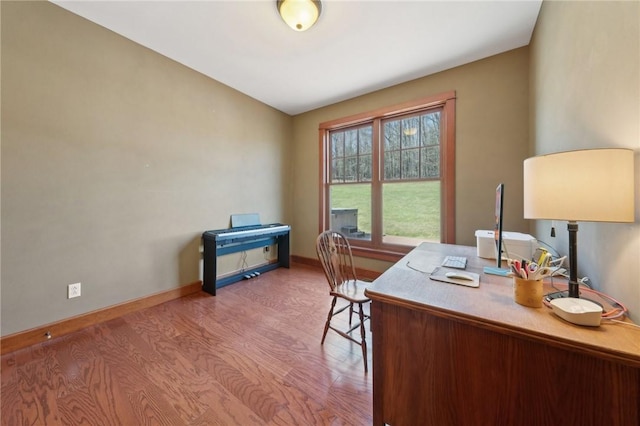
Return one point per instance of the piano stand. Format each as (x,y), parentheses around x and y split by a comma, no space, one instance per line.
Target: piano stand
(226,241)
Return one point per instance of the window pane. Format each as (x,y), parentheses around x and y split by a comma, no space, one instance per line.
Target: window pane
(411,212)
(351,210)
(337,144)
(351,169)
(430,129)
(411,164)
(410,134)
(364,168)
(337,170)
(365,143)
(391,135)
(392,165)
(365,138)
(430,162)
(351,142)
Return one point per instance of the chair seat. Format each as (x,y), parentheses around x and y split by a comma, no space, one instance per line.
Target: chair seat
(352,290)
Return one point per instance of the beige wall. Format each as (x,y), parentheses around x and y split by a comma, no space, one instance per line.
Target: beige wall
(114,161)
(585,93)
(491,143)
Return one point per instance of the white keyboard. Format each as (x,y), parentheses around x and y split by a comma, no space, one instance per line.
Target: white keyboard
(458,262)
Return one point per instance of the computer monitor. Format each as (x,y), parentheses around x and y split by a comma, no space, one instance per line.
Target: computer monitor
(497,229)
(497,234)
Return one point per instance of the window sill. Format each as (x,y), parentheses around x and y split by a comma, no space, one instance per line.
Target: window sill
(389,255)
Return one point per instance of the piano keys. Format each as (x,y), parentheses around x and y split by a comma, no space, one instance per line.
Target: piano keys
(232,240)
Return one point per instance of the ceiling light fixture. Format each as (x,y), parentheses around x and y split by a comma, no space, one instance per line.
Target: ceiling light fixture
(299,14)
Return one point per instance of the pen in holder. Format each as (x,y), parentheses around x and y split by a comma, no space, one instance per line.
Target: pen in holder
(527,292)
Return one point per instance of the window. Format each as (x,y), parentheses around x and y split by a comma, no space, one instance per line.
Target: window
(387,178)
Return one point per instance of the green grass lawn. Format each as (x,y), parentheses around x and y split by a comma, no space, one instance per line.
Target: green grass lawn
(410,209)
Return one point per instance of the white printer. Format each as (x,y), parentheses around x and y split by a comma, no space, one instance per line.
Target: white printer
(515,245)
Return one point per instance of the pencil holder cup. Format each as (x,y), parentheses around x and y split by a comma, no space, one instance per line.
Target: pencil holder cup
(527,292)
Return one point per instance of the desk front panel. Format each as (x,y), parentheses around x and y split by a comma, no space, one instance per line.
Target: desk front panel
(430,370)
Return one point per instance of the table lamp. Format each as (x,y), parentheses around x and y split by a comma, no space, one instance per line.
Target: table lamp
(591,185)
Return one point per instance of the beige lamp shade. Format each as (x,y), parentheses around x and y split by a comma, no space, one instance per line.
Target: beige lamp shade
(300,15)
(594,185)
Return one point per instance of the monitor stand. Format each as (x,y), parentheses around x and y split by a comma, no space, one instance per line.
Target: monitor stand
(494,270)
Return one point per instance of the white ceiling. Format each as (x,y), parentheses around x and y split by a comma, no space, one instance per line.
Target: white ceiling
(356,47)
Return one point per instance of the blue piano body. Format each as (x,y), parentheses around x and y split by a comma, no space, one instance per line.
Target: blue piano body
(232,240)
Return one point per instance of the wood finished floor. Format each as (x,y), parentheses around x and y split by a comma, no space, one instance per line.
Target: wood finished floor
(249,356)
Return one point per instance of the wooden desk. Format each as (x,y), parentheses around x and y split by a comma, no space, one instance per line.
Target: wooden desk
(445,354)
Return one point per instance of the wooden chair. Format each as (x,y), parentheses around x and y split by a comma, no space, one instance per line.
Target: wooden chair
(335,256)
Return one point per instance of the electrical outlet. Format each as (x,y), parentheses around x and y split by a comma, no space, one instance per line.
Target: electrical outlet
(73,290)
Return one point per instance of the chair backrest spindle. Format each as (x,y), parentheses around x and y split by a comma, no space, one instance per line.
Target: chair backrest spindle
(336,258)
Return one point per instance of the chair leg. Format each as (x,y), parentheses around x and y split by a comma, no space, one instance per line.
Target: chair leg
(350,313)
(326,324)
(362,334)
